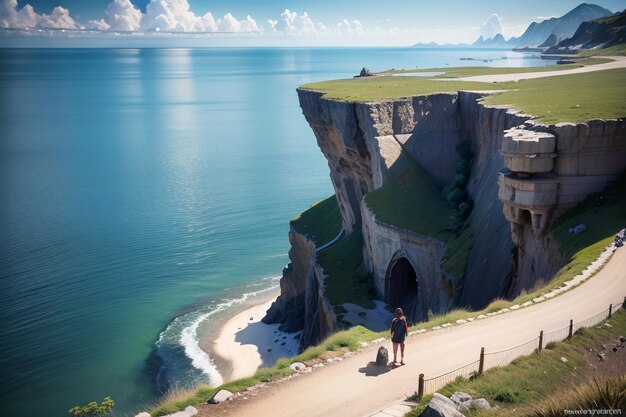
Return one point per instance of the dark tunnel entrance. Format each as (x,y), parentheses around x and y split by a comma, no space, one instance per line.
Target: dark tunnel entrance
(402,286)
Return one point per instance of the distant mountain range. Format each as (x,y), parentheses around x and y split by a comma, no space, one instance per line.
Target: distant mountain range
(538,33)
(563,27)
(597,33)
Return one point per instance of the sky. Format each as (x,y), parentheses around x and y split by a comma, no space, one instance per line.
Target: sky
(287,22)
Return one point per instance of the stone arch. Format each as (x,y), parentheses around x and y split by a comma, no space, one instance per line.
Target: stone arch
(401,285)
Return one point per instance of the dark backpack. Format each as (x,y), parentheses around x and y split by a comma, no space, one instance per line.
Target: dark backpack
(399,328)
(382,357)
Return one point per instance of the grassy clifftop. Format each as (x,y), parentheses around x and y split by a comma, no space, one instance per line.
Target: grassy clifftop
(569,98)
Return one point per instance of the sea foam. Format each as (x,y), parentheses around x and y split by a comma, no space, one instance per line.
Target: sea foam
(183,332)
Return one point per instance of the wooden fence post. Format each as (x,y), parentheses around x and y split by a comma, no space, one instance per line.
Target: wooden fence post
(481,363)
(540,341)
(610,310)
(420,386)
(571,329)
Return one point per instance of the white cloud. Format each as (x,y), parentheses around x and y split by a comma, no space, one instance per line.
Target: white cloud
(295,24)
(170,15)
(288,27)
(97,25)
(228,24)
(59,19)
(27,18)
(249,25)
(122,15)
(491,27)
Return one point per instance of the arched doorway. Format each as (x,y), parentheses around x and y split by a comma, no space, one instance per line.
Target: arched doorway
(401,286)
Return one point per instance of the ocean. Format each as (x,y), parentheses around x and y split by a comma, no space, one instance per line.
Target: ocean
(144,193)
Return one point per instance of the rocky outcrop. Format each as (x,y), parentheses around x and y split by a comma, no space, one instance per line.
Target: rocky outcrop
(301,304)
(342,143)
(288,309)
(524,175)
(319,317)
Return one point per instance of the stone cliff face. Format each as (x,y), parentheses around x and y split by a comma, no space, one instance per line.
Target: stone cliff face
(288,309)
(551,169)
(536,171)
(491,261)
(301,304)
(341,141)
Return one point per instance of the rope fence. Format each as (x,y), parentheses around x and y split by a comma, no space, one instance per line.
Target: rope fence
(465,371)
(506,356)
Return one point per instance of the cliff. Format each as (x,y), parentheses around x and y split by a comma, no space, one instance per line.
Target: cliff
(598,33)
(523,176)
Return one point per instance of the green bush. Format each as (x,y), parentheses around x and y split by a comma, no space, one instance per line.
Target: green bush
(93,409)
(507,397)
(455,193)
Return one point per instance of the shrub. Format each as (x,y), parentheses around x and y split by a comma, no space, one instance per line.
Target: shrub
(455,193)
(603,394)
(507,397)
(93,409)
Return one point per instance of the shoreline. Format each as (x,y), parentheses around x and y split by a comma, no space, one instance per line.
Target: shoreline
(244,343)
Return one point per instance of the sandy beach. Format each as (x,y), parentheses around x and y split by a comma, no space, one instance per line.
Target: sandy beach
(245,343)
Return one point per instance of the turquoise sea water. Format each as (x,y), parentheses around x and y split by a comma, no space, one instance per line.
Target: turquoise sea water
(141,190)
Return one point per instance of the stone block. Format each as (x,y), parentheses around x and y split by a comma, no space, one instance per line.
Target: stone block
(531,163)
(522,141)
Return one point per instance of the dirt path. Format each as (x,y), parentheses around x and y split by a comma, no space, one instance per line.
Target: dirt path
(343,389)
(618,62)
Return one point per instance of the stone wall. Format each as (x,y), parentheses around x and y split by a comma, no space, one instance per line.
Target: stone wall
(386,243)
(551,169)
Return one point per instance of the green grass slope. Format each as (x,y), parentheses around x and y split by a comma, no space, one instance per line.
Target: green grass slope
(519,389)
(570,98)
(321,222)
(413,201)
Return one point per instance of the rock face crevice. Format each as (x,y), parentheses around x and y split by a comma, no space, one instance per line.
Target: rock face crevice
(524,175)
(491,261)
(288,309)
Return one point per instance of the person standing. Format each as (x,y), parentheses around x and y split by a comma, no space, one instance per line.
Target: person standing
(399,329)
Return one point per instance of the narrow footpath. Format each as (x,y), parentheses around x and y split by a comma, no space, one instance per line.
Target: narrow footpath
(345,389)
(618,62)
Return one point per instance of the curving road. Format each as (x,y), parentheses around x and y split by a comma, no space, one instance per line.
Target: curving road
(618,62)
(342,390)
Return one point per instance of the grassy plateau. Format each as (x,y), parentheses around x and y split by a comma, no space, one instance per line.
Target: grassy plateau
(571,98)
